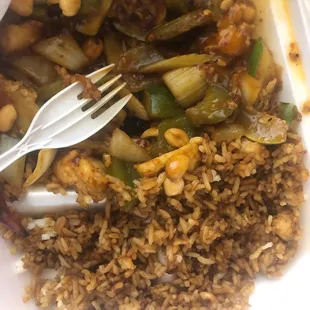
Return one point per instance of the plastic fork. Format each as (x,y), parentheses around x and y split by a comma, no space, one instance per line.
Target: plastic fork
(65,120)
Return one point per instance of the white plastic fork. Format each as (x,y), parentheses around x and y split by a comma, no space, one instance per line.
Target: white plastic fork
(65,120)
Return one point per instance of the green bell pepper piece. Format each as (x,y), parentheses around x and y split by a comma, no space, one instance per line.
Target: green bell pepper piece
(288,112)
(123,171)
(216,107)
(160,103)
(255,57)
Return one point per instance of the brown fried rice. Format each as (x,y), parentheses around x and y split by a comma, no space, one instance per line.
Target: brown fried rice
(237,216)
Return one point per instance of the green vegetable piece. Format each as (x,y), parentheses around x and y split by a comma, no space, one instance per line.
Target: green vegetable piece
(39,69)
(94,20)
(176,63)
(138,57)
(160,103)
(64,51)
(263,128)
(227,132)
(180,25)
(89,7)
(47,91)
(188,85)
(123,171)
(216,107)
(113,47)
(288,112)
(255,57)
(181,122)
(179,7)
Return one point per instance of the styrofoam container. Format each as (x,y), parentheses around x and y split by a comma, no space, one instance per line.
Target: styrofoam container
(283,22)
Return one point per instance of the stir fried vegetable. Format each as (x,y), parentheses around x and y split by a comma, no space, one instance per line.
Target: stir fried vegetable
(14,174)
(124,148)
(113,47)
(176,62)
(40,70)
(227,132)
(135,59)
(188,85)
(64,51)
(288,112)
(180,25)
(95,19)
(261,63)
(160,103)
(123,171)
(44,162)
(255,58)
(216,106)
(263,128)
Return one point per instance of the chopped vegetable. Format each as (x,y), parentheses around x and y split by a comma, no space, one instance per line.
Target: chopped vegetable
(123,171)
(124,148)
(40,70)
(134,105)
(180,25)
(44,162)
(24,101)
(250,89)
(15,38)
(160,103)
(154,166)
(255,58)
(130,29)
(95,19)
(263,128)
(139,82)
(89,7)
(176,62)
(227,132)
(261,63)
(47,91)
(113,47)
(136,58)
(215,107)
(13,174)
(64,51)
(188,85)
(288,112)
(178,6)
(96,145)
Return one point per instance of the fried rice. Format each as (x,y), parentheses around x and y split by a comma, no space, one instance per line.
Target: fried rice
(237,216)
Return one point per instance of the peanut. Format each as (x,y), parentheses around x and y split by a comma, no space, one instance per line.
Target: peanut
(70,7)
(173,188)
(8,116)
(176,167)
(176,137)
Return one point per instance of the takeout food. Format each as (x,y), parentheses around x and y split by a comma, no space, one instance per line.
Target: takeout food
(202,172)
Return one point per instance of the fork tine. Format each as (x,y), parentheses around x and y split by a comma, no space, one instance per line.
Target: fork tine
(99,74)
(81,103)
(88,127)
(90,111)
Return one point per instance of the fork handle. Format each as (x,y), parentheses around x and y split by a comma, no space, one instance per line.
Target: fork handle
(12,155)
